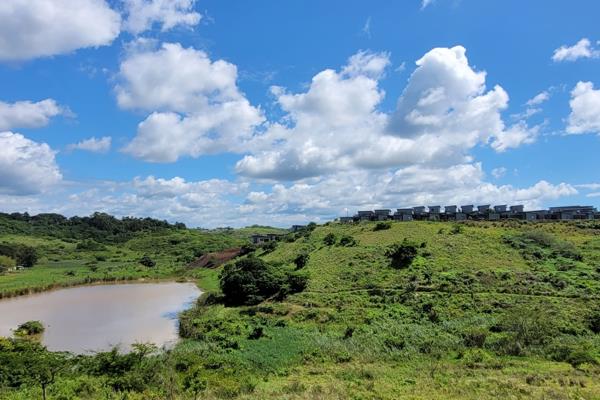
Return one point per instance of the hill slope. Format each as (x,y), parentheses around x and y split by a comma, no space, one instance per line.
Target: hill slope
(485,310)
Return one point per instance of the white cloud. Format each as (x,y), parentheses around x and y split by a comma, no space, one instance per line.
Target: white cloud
(585,109)
(198,108)
(92,144)
(538,99)
(442,114)
(40,28)
(425,3)
(499,172)
(582,49)
(27,114)
(26,167)
(143,14)
(366,29)
(515,136)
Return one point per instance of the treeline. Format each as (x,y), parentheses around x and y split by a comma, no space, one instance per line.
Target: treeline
(101,227)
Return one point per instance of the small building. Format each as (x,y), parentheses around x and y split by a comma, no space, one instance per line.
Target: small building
(403,214)
(500,209)
(517,209)
(382,215)
(261,239)
(346,220)
(296,228)
(365,215)
(493,216)
(450,209)
(459,216)
(435,209)
(483,209)
(467,209)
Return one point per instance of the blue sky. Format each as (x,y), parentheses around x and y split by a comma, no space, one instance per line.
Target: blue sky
(277,112)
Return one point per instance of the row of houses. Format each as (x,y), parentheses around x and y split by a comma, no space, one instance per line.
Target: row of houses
(470,212)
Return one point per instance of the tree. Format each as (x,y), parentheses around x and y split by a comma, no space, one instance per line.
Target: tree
(402,254)
(250,281)
(329,239)
(147,261)
(301,260)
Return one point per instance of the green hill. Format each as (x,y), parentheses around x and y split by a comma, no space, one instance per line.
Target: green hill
(419,310)
(485,310)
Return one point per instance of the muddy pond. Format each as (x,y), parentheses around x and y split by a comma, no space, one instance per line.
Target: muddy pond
(95,318)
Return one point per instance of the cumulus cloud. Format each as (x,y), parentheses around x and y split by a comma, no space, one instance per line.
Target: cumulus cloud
(585,109)
(335,125)
(582,49)
(142,15)
(26,167)
(198,108)
(499,172)
(93,145)
(538,99)
(27,114)
(40,28)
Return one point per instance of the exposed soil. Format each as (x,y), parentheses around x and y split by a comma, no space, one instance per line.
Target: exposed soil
(213,260)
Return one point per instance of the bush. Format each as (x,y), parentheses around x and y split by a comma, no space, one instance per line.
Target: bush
(347,241)
(297,282)
(30,328)
(573,351)
(594,321)
(382,226)
(147,261)
(457,229)
(527,326)
(301,260)
(22,254)
(250,281)
(329,239)
(6,263)
(402,254)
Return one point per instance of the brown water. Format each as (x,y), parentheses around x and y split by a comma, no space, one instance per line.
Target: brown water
(93,318)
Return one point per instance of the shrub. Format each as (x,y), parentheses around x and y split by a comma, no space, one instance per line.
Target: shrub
(247,249)
(30,328)
(301,260)
(347,241)
(456,229)
(573,351)
(147,261)
(269,246)
(250,281)
(6,263)
(475,337)
(382,226)
(401,254)
(22,254)
(594,321)
(527,326)
(297,282)
(329,239)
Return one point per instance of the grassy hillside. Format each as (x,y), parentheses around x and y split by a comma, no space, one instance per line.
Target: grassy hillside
(485,311)
(77,253)
(480,311)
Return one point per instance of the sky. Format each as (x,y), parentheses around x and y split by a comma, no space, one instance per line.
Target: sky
(232,113)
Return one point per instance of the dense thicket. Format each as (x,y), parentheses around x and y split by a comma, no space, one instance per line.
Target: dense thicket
(100,227)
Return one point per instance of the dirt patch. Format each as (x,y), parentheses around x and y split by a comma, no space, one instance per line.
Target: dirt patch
(213,260)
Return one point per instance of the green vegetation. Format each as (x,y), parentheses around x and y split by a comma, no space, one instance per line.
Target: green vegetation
(422,310)
(30,328)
